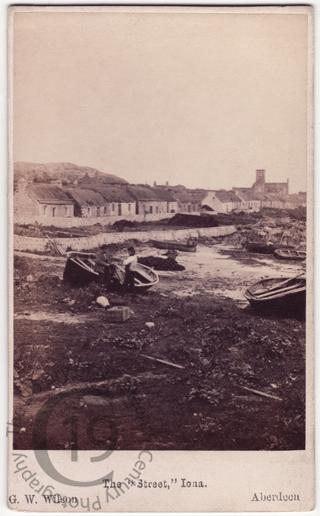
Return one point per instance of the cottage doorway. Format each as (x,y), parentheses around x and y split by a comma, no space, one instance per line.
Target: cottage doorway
(119,209)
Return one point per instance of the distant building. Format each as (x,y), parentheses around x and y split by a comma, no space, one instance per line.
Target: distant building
(41,199)
(87,203)
(110,200)
(187,200)
(263,194)
(120,203)
(260,186)
(190,201)
(153,201)
(298,199)
(248,201)
(168,203)
(221,201)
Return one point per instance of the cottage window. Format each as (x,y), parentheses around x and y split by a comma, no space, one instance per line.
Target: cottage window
(105,210)
(54,211)
(112,206)
(89,211)
(129,206)
(65,211)
(98,211)
(45,209)
(151,209)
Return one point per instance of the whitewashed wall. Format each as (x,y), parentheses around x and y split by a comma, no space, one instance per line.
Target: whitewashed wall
(72,222)
(23,243)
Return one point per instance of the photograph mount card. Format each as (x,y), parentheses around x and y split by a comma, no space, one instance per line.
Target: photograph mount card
(161,259)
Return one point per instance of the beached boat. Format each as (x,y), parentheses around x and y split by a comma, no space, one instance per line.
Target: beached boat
(283,295)
(144,277)
(190,246)
(260,247)
(290,254)
(80,269)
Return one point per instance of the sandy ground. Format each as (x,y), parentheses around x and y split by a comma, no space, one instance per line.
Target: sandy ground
(69,360)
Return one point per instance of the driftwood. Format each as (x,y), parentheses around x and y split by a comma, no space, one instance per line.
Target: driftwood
(166,362)
(260,393)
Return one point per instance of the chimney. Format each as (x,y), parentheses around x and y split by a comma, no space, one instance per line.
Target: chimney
(21,185)
(167,183)
(154,183)
(260,175)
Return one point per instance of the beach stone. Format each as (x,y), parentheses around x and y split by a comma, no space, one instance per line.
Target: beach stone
(102,301)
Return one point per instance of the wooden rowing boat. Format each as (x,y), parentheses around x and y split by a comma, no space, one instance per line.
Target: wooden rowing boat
(282,295)
(80,270)
(144,277)
(189,247)
(290,254)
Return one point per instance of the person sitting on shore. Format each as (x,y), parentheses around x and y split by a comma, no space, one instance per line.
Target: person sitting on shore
(130,264)
(105,267)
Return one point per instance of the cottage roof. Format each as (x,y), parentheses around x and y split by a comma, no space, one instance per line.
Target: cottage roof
(164,195)
(116,194)
(86,197)
(110,193)
(190,196)
(49,194)
(143,193)
(246,194)
(227,196)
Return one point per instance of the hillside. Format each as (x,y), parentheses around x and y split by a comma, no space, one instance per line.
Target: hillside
(66,172)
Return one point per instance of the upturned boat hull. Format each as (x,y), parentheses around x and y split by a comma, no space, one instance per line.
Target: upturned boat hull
(79,271)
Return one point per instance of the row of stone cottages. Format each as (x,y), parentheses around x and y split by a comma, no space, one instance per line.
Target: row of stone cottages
(48,200)
(42,200)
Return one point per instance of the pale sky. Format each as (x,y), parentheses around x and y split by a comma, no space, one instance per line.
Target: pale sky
(199,99)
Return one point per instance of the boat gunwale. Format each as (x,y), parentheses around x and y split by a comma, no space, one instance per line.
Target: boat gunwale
(77,261)
(277,295)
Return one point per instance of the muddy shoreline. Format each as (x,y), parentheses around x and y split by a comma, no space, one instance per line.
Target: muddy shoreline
(68,359)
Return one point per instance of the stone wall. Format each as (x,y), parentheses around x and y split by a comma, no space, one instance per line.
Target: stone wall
(23,243)
(76,222)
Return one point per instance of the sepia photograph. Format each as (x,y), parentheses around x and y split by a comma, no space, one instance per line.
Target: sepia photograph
(161,194)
